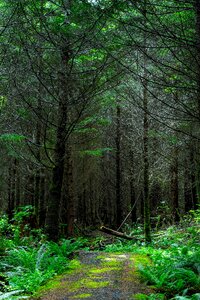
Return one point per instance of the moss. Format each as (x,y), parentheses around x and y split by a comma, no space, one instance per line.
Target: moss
(140,259)
(86,278)
(103,270)
(139,297)
(82,296)
(57,281)
(145,297)
(112,263)
(100,257)
(97,277)
(95,284)
(53,284)
(75,264)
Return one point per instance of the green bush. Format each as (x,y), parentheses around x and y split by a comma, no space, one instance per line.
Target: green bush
(174,271)
(27,259)
(4,225)
(27,267)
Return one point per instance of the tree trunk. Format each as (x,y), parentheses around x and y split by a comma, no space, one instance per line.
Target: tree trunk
(68,199)
(197,10)
(42,203)
(17,184)
(11,196)
(39,124)
(174,186)
(118,168)
(29,187)
(194,180)
(147,222)
(52,218)
(116,233)
(132,189)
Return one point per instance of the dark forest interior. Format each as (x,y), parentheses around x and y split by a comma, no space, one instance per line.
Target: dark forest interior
(100,115)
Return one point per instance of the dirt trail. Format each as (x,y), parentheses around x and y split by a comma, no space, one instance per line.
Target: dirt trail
(99,276)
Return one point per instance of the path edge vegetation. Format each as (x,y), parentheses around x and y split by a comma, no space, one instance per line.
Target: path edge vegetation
(28,259)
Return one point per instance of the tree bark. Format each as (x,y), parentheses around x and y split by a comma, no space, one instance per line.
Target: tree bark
(147,222)
(118,168)
(52,218)
(174,186)
(116,233)
(11,205)
(197,10)
(68,199)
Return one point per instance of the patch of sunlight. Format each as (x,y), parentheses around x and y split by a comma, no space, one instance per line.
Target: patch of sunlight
(74,264)
(145,297)
(119,256)
(110,259)
(100,257)
(82,296)
(90,284)
(87,283)
(94,277)
(112,263)
(103,270)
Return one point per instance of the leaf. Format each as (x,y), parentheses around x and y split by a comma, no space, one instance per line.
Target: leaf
(10,294)
(12,137)
(3,101)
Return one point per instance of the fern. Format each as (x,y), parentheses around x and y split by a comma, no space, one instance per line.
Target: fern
(8,295)
(40,256)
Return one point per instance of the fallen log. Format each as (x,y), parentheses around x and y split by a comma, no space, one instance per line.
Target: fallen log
(116,233)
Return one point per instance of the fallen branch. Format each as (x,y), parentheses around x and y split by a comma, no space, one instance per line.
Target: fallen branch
(116,233)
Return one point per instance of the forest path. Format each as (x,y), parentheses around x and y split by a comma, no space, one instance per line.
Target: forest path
(99,275)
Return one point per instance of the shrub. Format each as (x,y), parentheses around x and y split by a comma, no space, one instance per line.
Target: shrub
(27,267)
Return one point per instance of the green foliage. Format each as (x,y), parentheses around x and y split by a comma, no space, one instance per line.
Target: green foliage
(11,295)
(5,244)
(3,102)
(150,297)
(27,268)
(175,259)
(196,215)
(174,270)
(12,137)
(27,261)
(167,275)
(193,297)
(96,152)
(22,212)
(11,142)
(4,224)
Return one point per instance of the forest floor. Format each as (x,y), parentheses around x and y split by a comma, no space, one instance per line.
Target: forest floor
(99,275)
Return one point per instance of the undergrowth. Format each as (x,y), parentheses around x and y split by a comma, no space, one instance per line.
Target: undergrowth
(27,259)
(175,259)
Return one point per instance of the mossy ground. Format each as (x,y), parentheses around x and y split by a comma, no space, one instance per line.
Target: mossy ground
(98,276)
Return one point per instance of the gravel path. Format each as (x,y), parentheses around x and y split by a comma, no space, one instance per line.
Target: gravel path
(100,276)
